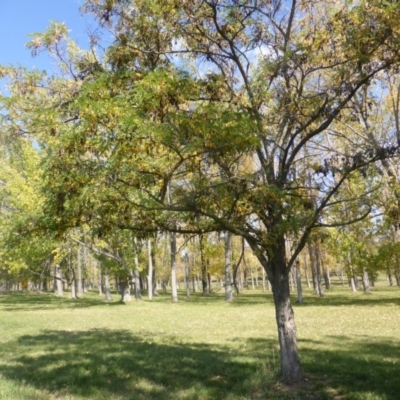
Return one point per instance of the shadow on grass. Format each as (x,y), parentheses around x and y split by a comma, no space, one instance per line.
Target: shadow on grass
(350,299)
(30,301)
(108,364)
(355,368)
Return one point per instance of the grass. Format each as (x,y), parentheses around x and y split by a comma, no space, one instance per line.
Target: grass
(52,348)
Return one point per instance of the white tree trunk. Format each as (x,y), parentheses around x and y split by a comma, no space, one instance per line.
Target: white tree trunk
(228,266)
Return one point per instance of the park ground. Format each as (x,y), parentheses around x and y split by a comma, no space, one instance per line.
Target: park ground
(203,349)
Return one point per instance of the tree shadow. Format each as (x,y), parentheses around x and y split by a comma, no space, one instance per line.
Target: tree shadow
(104,364)
(342,367)
(358,299)
(30,301)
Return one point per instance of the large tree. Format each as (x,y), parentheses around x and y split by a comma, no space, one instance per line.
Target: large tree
(220,116)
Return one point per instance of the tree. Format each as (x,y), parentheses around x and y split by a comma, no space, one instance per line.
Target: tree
(205,86)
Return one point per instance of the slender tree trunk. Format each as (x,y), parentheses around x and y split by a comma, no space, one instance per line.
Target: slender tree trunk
(187,273)
(100,281)
(245,278)
(327,278)
(58,279)
(204,279)
(174,288)
(150,271)
(136,275)
(78,272)
(306,270)
(84,268)
(313,262)
(107,286)
(352,280)
(389,275)
(291,282)
(320,290)
(194,283)
(365,281)
(228,266)
(298,280)
(209,281)
(252,278)
(263,279)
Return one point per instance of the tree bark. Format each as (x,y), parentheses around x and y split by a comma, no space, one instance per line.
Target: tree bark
(263,279)
(290,362)
(318,259)
(107,287)
(203,263)
(58,281)
(228,266)
(306,270)
(125,289)
(365,281)
(136,276)
(298,281)
(78,286)
(100,281)
(150,271)
(174,288)
(187,273)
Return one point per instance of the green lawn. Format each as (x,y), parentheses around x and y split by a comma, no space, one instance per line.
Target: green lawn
(54,348)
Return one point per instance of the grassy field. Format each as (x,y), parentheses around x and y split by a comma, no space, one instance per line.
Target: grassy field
(53,348)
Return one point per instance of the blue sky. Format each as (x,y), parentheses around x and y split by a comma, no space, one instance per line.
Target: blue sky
(22,17)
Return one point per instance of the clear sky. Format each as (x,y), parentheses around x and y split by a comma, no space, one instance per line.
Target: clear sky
(22,17)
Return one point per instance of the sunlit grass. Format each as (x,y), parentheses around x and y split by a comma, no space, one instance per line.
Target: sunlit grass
(53,348)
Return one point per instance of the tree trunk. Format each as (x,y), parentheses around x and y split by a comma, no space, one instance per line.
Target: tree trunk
(352,280)
(319,289)
(245,278)
(389,275)
(313,262)
(290,362)
(58,279)
(327,277)
(263,279)
(136,276)
(187,273)
(78,286)
(252,278)
(107,287)
(125,290)
(100,281)
(298,280)
(365,281)
(204,280)
(150,271)
(174,288)
(209,281)
(228,266)
(306,271)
